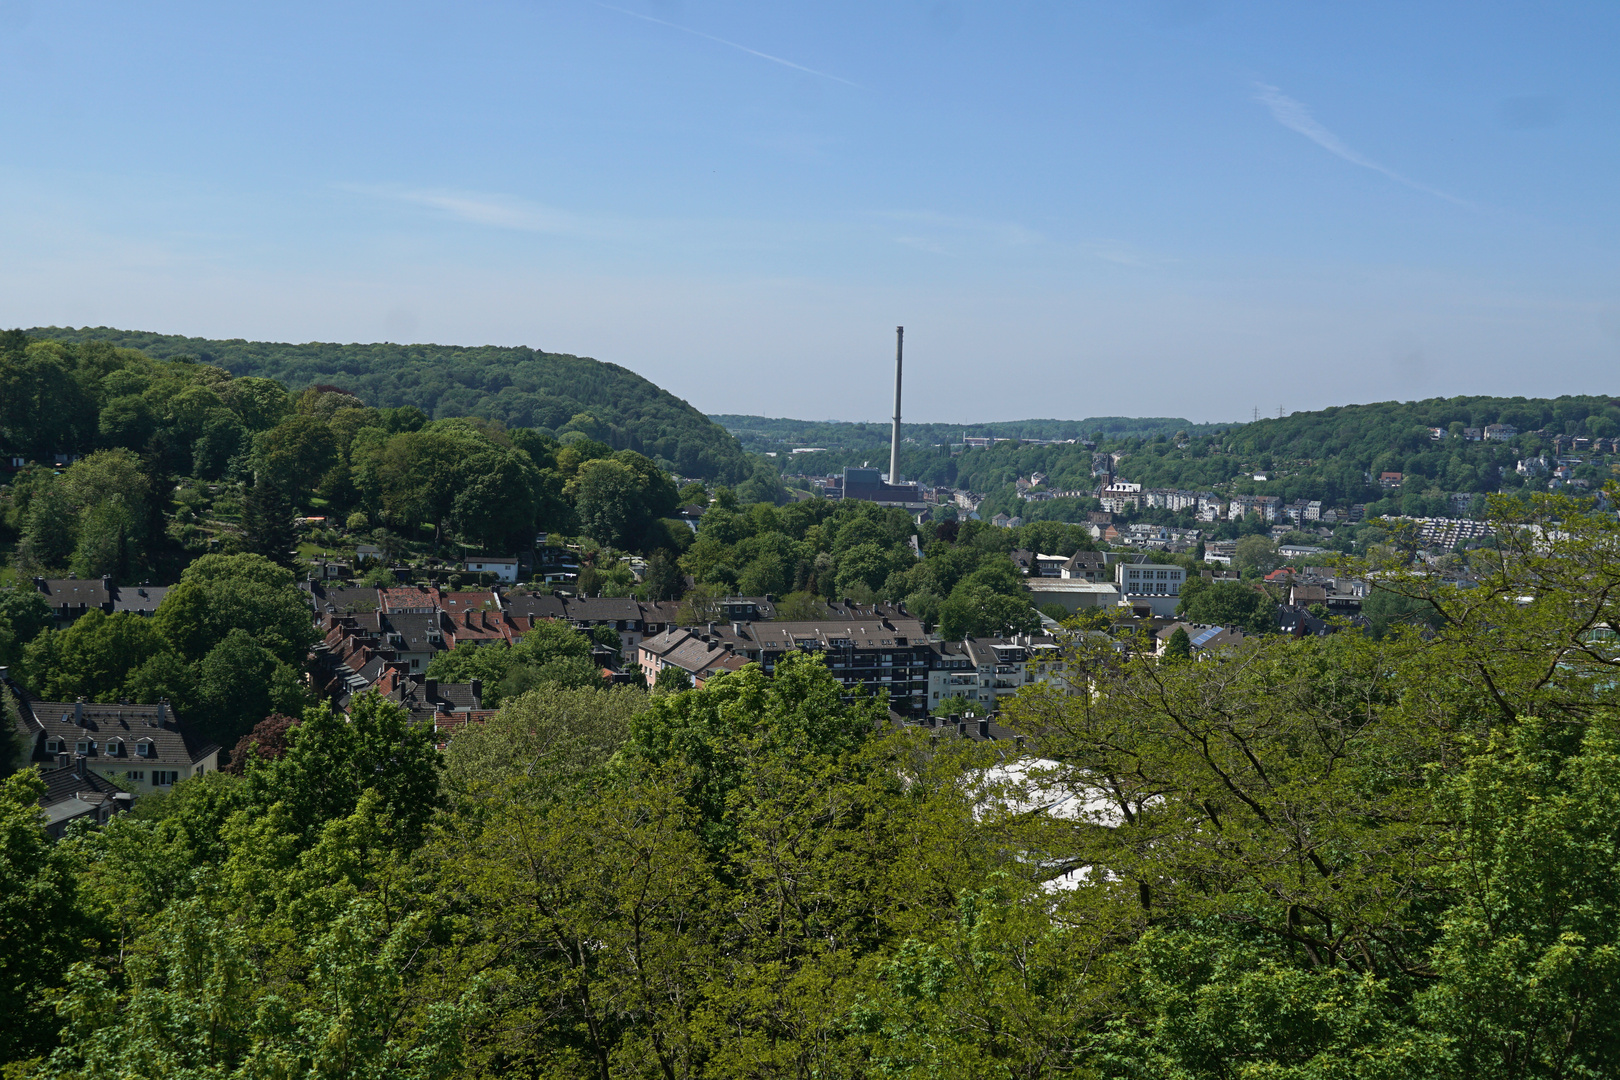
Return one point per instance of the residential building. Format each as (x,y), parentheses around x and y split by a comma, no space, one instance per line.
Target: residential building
(1202,637)
(504,569)
(1170,499)
(1151,587)
(1087,566)
(1267,506)
(1211,507)
(1120,497)
(1500,432)
(1390,480)
(71,597)
(74,793)
(698,654)
(984,670)
(142,746)
(870,652)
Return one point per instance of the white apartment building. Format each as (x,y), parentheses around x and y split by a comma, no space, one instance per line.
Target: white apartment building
(1154,586)
(1120,497)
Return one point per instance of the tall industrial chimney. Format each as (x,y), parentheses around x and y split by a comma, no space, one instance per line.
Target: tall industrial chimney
(894,441)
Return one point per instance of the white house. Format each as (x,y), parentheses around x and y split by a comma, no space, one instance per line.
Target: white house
(504,569)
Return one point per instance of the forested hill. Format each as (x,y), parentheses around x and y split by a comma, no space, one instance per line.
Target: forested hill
(763,433)
(1333,454)
(519,386)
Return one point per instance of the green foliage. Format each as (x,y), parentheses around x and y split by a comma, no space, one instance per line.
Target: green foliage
(333,760)
(1179,647)
(518,387)
(1312,859)
(977,610)
(221,593)
(43,924)
(1234,604)
(713,731)
(552,652)
(24,615)
(268,528)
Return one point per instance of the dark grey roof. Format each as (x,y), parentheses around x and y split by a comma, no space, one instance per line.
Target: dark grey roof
(862,634)
(418,631)
(603,609)
(75,592)
(62,783)
(540,605)
(116,731)
(342,598)
(141,599)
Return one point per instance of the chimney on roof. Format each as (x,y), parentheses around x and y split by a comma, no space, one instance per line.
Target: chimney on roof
(984,729)
(430,688)
(163,710)
(477,693)
(78,712)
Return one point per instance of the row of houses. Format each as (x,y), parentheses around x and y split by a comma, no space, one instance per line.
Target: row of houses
(888,651)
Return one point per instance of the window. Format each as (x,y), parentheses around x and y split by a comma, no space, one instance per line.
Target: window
(54,746)
(143,748)
(115,747)
(165,777)
(135,774)
(83,747)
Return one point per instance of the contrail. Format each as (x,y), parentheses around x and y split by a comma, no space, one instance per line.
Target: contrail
(1295,116)
(731,44)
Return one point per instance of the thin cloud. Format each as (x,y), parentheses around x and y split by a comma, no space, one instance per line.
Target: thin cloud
(1295,116)
(1010,233)
(729,44)
(496,211)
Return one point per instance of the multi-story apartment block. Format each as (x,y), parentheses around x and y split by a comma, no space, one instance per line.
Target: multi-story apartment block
(1120,497)
(1152,586)
(984,670)
(1267,506)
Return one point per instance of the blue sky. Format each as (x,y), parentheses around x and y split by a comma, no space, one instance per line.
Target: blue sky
(1171,207)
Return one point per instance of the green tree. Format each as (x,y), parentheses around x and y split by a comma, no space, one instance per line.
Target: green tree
(24,615)
(799,710)
(976,609)
(332,760)
(109,543)
(268,528)
(1179,647)
(221,593)
(94,658)
(45,928)
(1231,603)
(1255,554)
(296,453)
(49,530)
(239,683)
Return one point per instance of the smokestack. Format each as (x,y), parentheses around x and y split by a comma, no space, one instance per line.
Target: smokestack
(894,441)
